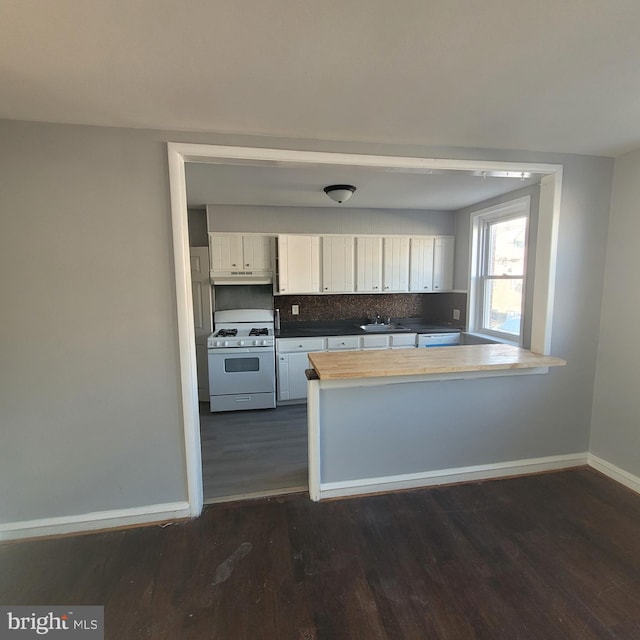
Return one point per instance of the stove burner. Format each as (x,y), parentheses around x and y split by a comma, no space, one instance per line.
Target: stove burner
(226,333)
(259,332)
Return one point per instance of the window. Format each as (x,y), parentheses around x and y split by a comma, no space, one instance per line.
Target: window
(499,270)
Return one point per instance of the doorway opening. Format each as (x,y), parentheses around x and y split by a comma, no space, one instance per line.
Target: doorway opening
(179,154)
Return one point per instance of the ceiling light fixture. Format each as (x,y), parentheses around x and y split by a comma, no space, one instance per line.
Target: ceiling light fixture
(340,192)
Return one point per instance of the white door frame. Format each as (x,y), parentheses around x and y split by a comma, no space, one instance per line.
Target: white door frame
(180,153)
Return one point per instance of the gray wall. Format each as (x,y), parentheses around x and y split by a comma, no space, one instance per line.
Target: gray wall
(371,432)
(89,389)
(89,392)
(329,220)
(615,435)
(198,234)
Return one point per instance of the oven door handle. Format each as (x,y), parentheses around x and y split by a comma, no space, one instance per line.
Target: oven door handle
(238,350)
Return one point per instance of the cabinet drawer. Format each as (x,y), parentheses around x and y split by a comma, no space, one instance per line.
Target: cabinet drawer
(293,345)
(375,342)
(336,343)
(402,340)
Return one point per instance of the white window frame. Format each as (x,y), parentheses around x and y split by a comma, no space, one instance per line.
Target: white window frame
(480,222)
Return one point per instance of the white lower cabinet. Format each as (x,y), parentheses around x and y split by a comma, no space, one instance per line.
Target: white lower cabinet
(292,381)
(292,357)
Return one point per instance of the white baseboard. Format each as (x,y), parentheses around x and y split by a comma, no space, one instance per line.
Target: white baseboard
(86,522)
(615,473)
(451,476)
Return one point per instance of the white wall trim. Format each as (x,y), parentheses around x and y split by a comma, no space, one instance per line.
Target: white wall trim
(186,330)
(451,476)
(95,520)
(615,473)
(544,276)
(313,456)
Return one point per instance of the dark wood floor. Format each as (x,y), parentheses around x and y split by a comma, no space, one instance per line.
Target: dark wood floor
(547,557)
(248,453)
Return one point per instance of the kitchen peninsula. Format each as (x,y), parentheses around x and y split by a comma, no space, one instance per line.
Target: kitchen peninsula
(386,420)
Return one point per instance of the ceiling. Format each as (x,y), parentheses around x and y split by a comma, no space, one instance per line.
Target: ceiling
(546,75)
(299,185)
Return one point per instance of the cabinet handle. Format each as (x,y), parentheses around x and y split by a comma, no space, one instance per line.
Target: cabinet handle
(234,264)
(247,265)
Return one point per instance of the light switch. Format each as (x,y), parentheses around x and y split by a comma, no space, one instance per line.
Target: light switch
(295,309)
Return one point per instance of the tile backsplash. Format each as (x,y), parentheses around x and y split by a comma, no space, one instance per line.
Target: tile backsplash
(436,307)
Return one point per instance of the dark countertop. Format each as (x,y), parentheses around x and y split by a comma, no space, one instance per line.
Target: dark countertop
(351,328)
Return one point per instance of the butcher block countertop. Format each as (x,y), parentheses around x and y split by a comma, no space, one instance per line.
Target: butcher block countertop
(341,365)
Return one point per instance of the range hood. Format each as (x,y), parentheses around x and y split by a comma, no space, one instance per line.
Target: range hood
(241,277)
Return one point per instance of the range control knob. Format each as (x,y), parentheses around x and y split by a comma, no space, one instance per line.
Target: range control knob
(225,343)
(256,342)
(241,343)
(264,343)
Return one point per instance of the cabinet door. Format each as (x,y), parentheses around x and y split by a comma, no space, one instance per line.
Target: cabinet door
(337,264)
(375,342)
(283,377)
(257,252)
(298,264)
(225,252)
(402,341)
(421,264)
(296,365)
(395,274)
(443,254)
(368,264)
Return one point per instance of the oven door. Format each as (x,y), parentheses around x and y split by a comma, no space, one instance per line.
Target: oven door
(241,370)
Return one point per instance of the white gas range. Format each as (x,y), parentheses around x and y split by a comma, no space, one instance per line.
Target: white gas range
(242,360)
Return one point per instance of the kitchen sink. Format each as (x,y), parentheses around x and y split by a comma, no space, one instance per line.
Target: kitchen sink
(383,328)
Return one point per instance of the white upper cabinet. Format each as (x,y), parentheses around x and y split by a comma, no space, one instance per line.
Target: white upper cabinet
(338,274)
(256,251)
(298,264)
(443,255)
(421,264)
(395,273)
(225,252)
(431,262)
(233,252)
(363,264)
(369,264)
